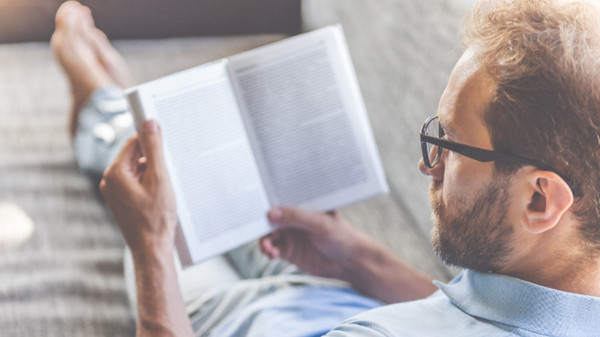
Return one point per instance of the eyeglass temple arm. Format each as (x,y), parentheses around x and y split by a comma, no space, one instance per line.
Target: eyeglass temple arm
(483,155)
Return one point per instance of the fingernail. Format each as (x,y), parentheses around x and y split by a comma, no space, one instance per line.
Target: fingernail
(275,213)
(150,126)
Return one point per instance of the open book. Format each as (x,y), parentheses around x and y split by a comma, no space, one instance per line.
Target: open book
(283,124)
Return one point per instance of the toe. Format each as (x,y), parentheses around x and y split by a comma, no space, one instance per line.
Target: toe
(66,12)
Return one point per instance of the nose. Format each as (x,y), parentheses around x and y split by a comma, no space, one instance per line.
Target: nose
(424,170)
(437,172)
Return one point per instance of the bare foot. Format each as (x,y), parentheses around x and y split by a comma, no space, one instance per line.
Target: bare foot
(84,56)
(110,58)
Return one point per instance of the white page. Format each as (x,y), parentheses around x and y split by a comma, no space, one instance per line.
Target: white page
(306,118)
(220,198)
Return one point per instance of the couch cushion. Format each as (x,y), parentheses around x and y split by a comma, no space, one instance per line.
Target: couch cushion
(33,20)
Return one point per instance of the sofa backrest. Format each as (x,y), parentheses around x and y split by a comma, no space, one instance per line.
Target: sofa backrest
(33,20)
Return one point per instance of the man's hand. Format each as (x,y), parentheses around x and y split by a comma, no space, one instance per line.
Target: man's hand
(321,244)
(327,245)
(138,191)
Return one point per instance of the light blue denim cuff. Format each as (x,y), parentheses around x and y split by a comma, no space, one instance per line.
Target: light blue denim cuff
(104,126)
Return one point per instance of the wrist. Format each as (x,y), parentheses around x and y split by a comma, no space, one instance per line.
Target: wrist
(154,258)
(368,258)
(152,238)
(363,253)
(151,247)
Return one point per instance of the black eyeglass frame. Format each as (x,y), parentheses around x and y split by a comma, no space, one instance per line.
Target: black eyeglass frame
(472,152)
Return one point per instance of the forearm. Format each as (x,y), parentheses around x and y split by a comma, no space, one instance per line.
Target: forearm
(161,310)
(376,272)
(141,198)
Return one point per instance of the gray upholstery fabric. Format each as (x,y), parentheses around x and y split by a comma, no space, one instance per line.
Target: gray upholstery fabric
(33,20)
(67,279)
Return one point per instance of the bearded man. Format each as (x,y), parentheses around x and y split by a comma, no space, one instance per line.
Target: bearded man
(514,156)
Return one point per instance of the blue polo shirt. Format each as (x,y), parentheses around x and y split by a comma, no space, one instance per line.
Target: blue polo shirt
(479,304)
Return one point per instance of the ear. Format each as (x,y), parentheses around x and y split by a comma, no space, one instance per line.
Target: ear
(549,197)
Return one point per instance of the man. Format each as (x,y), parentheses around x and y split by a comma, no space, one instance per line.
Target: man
(513,153)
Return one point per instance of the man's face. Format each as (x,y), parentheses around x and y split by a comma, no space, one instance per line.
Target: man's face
(469,200)
(476,236)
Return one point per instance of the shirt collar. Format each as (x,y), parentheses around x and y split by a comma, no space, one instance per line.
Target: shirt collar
(510,301)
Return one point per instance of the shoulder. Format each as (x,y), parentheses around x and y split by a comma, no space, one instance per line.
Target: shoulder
(482,304)
(433,316)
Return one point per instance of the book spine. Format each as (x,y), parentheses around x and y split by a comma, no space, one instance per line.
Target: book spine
(136,108)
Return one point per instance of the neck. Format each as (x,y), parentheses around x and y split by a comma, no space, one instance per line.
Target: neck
(569,267)
(584,280)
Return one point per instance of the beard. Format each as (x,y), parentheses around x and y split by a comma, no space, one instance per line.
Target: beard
(476,236)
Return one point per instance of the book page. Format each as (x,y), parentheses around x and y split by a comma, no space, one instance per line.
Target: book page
(304,112)
(221,201)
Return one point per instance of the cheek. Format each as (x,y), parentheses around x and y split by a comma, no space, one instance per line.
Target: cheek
(463,177)
(455,177)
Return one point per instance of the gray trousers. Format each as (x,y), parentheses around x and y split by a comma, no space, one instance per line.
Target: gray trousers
(213,289)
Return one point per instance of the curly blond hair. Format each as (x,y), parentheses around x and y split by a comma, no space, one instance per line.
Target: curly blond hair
(544,56)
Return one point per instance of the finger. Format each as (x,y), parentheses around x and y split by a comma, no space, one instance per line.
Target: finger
(128,157)
(152,146)
(268,248)
(102,187)
(123,169)
(299,219)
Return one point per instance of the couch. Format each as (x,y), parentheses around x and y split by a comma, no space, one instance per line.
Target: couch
(66,279)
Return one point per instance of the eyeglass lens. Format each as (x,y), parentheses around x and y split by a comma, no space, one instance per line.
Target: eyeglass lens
(434,129)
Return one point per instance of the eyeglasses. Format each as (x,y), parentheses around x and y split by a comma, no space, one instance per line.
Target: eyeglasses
(432,146)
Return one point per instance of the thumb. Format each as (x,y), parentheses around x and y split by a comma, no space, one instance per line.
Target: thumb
(295,218)
(152,145)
